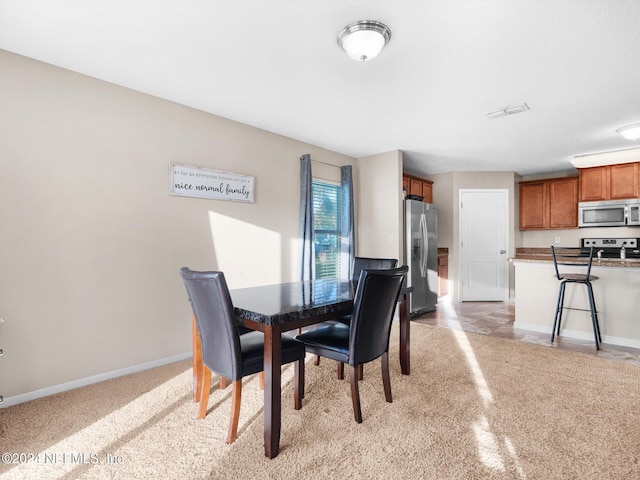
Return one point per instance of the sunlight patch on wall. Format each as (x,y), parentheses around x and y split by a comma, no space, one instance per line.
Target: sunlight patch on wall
(249,255)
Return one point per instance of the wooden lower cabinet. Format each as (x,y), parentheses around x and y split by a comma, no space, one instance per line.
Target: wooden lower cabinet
(443,274)
(549,204)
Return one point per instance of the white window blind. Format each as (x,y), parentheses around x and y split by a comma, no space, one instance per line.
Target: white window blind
(326,225)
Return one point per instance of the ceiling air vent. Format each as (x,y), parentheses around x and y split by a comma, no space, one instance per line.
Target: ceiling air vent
(512,110)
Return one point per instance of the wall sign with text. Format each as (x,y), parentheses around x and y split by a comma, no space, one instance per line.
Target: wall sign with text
(187,181)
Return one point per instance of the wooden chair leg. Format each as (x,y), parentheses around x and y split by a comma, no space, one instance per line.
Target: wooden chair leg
(386,378)
(223,383)
(355,393)
(236,394)
(340,371)
(198,367)
(361,371)
(317,361)
(204,392)
(298,393)
(261,375)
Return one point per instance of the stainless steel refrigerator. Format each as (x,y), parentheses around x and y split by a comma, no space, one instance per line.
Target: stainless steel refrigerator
(421,254)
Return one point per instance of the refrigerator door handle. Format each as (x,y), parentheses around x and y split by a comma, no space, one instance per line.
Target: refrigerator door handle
(424,233)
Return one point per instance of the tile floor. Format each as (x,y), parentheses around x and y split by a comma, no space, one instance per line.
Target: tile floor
(496,318)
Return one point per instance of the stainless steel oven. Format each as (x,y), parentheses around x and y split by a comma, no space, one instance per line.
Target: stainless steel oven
(610,213)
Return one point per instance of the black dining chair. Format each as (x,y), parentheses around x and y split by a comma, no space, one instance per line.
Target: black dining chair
(366,263)
(229,349)
(366,338)
(359,264)
(575,257)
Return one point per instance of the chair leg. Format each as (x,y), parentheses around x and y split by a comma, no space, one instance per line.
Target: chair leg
(236,395)
(261,376)
(298,392)
(317,361)
(205,387)
(355,394)
(564,291)
(361,372)
(556,321)
(198,367)
(222,383)
(386,378)
(594,316)
(340,371)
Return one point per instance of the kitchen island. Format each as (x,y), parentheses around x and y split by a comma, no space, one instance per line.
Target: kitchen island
(616,293)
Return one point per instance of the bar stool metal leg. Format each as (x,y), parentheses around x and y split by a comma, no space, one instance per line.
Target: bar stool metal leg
(594,316)
(556,321)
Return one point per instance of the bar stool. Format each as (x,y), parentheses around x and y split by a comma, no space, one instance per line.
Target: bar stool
(575,257)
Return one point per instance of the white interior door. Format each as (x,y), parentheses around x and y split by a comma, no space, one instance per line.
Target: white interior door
(484,242)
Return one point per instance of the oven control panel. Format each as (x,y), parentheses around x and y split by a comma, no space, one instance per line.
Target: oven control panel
(610,242)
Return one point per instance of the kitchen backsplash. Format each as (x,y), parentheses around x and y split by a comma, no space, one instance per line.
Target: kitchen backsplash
(571,238)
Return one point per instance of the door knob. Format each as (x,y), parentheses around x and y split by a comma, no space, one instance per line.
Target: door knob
(502,252)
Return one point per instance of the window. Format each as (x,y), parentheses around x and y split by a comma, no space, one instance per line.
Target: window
(326,228)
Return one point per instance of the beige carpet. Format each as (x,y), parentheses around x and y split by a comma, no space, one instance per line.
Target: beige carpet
(473,407)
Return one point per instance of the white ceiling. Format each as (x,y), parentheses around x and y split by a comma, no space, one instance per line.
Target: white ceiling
(276,65)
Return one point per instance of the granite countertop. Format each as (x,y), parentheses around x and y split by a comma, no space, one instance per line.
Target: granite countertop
(543,255)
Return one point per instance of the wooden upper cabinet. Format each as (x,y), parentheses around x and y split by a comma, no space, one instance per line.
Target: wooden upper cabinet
(415,187)
(624,181)
(594,184)
(427,192)
(549,204)
(563,203)
(418,186)
(405,185)
(534,210)
(610,182)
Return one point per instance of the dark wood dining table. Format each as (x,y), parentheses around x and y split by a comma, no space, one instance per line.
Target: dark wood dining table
(274,309)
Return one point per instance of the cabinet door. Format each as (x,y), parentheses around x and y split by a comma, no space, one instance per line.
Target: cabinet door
(594,184)
(406,185)
(563,203)
(415,187)
(427,192)
(533,206)
(624,181)
(443,275)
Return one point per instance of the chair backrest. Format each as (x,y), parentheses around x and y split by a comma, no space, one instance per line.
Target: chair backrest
(217,325)
(365,263)
(373,308)
(572,256)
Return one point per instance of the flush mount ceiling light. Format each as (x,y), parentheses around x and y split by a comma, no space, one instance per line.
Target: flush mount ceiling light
(630,132)
(503,112)
(364,40)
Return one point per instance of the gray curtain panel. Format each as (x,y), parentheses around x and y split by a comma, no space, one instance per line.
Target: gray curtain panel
(347,235)
(307,261)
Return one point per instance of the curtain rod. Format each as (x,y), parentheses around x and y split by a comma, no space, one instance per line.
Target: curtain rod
(325,163)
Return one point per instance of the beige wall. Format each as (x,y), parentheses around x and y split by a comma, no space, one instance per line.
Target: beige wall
(91,239)
(379,206)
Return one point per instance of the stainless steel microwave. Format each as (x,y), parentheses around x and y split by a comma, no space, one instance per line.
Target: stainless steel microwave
(610,213)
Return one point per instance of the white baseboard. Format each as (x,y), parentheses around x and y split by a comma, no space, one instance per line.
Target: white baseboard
(623,342)
(82,382)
